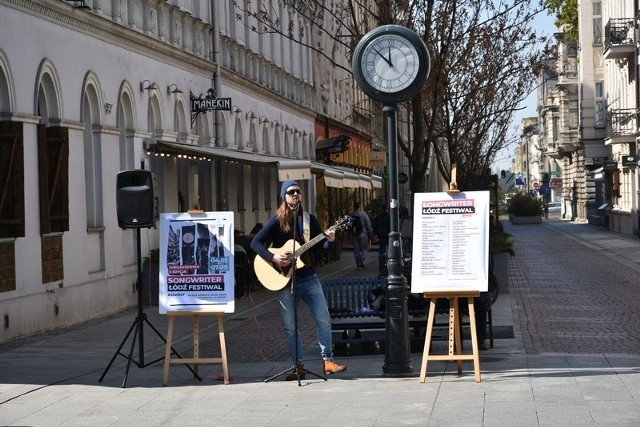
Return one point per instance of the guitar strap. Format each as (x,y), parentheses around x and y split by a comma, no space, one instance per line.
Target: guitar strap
(306,226)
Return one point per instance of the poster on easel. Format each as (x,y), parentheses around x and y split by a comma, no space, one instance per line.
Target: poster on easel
(196,262)
(450,242)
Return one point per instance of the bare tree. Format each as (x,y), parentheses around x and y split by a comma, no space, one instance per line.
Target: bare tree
(482,53)
(482,56)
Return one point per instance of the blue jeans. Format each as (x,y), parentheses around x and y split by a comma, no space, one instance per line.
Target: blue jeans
(309,290)
(360,245)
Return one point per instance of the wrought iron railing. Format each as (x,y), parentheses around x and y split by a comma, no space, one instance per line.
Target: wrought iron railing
(623,122)
(618,31)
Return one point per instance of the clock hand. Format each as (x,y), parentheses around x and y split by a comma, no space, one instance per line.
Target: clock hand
(388,61)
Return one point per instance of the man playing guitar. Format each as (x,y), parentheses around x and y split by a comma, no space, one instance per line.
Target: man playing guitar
(278,231)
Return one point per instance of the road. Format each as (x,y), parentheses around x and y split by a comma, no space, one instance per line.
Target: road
(570,297)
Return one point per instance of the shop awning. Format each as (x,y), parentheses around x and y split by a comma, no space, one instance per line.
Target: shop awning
(287,169)
(376,181)
(331,177)
(365,181)
(351,180)
(341,177)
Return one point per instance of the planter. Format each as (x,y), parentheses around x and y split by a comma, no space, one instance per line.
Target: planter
(518,220)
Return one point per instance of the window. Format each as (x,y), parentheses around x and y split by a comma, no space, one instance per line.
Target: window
(268,194)
(11,180)
(255,185)
(597,24)
(239,186)
(571,65)
(573,114)
(625,191)
(600,119)
(53,165)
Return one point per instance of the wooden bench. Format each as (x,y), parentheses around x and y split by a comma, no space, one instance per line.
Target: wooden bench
(351,303)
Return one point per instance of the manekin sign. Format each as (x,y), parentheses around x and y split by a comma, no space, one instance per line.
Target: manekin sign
(209,103)
(200,105)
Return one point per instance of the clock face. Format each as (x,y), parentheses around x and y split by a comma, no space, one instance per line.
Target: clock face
(188,238)
(391,63)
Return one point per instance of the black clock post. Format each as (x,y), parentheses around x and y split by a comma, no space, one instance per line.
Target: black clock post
(391,65)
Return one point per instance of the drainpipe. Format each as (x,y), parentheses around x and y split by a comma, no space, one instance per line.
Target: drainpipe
(215,84)
(636,9)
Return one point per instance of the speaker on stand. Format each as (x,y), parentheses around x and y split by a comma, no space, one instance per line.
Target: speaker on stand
(135,198)
(135,195)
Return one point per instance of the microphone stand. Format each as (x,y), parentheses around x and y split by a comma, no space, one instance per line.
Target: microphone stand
(297,366)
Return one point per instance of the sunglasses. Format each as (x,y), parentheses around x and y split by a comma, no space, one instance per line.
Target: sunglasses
(294,192)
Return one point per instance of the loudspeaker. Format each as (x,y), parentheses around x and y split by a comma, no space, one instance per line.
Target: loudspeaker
(135,199)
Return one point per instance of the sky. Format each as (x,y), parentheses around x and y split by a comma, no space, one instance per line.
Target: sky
(503,159)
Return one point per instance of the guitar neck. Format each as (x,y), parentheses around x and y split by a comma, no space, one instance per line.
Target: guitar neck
(305,247)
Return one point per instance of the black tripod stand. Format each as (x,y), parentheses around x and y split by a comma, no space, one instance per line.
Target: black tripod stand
(297,368)
(137,327)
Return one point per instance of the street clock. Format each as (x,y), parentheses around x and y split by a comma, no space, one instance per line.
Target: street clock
(391,64)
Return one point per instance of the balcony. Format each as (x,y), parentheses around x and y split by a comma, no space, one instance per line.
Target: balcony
(619,39)
(558,150)
(622,126)
(568,73)
(569,140)
(552,152)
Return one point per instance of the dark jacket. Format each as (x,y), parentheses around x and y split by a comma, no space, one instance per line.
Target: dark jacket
(272,235)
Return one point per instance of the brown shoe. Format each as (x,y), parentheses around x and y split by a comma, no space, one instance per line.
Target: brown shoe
(331,367)
(293,377)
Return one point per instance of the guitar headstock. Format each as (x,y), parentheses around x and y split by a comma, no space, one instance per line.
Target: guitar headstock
(343,223)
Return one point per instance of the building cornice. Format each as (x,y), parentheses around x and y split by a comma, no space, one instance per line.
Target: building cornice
(64,14)
(240,81)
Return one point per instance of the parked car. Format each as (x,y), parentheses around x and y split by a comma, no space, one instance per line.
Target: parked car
(555,207)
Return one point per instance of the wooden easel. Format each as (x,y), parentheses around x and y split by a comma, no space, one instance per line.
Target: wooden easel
(455,335)
(196,360)
(453,185)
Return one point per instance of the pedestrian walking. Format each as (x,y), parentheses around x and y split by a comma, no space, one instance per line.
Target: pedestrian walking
(361,234)
(382,228)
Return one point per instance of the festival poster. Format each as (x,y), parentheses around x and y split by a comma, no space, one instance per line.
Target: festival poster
(450,242)
(196,262)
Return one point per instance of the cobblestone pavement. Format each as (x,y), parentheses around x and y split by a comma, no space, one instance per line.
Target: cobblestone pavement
(258,336)
(572,298)
(571,303)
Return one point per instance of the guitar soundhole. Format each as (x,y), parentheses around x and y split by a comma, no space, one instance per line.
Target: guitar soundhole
(285,270)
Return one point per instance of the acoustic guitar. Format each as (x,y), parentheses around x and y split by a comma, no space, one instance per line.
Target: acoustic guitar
(274,277)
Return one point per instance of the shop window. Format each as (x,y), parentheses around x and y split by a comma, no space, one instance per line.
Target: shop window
(625,191)
(255,185)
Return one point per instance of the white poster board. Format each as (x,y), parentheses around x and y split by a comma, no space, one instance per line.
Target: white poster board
(450,242)
(196,262)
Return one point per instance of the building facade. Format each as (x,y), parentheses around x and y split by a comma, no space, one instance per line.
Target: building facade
(90,88)
(620,53)
(588,116)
